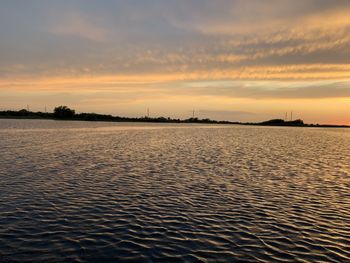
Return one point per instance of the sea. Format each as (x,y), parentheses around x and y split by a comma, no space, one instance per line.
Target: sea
(74,191)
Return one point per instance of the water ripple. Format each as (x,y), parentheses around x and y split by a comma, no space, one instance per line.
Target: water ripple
(184,193)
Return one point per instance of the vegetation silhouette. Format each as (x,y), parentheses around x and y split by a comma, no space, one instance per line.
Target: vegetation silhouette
(65,113)
(280,122)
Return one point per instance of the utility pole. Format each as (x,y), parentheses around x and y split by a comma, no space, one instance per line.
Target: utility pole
(147,112)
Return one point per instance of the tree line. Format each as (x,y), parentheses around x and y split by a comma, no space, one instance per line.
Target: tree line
(65,113)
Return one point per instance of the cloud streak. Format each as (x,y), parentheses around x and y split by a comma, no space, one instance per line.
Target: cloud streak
(133,87)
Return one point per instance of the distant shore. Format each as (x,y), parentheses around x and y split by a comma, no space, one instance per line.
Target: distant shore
(64,113)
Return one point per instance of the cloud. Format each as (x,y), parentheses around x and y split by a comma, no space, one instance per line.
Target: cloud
(275,90)
(75,24)
(187,39)
(175,85)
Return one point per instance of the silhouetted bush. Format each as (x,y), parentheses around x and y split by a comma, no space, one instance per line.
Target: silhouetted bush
(63,112)
(273,122)
(296,122)
(280,122)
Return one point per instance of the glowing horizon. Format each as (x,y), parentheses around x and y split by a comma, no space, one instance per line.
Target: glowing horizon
(229,60)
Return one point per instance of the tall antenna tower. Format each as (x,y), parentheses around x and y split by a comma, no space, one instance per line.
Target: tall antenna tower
(27,107)
(193,113)
(291,115)
(148,112)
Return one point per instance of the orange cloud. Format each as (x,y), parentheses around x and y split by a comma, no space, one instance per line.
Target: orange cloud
(287,73)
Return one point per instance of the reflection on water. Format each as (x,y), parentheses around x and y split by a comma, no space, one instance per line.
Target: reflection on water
(86,191)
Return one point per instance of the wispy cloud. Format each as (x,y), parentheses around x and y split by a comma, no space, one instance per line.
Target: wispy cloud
(75,24)
(160,37)
(167,86)
(274,89)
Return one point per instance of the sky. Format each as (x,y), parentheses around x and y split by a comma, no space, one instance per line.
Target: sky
(232,60)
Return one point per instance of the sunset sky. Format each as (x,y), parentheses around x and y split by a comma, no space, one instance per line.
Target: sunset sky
(227,59)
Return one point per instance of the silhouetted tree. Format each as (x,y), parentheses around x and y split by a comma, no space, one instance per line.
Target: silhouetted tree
(23,112)
(63,112)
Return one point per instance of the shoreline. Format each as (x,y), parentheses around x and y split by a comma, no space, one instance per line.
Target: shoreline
(168,120)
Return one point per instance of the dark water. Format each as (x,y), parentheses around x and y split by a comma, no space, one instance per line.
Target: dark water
(79,191)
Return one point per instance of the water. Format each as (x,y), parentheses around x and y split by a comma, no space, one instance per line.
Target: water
(80,191)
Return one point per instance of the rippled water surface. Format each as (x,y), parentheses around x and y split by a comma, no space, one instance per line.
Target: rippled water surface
(80,191)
